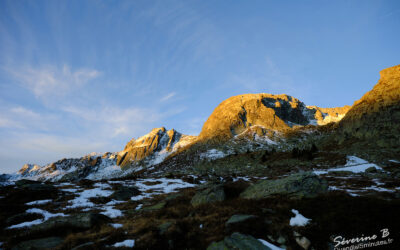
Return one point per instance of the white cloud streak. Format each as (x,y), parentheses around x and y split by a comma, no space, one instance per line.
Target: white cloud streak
(167,97)
(51,80)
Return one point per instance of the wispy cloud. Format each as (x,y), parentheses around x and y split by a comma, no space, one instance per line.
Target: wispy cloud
(52,80)
(18,117)
(115,121)
(167,97)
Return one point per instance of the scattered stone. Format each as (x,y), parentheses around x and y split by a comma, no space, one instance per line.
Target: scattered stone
(295,186)
(238,241)
(209,195)
(303,242)
(239,218)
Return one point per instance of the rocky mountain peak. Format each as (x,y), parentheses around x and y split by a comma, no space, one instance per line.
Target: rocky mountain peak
(153,146)
(376,116)
(272,112)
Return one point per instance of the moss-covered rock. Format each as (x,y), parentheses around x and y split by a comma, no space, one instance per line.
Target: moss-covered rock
(211,194)
(238,241)
(295,186)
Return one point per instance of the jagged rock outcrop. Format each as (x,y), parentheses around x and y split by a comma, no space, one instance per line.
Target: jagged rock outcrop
(375,118)
(270,112)
(153,147)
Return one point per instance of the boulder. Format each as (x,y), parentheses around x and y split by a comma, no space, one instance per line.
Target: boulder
(81,221)
(125,193)
(238,241)
(44,243)
(302,241)
(295,186)
(209,195)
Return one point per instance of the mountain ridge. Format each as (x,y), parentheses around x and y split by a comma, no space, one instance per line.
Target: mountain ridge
(250,120)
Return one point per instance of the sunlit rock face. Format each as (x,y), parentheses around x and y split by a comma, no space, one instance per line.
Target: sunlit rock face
(154,146)
(272,112)
(376,116)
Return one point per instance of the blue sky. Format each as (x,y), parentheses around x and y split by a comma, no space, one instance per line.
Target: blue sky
(87,76)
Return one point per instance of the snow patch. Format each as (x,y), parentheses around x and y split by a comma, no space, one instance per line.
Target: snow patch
(111,212)
(116,225)
(39,202)
(166,186)
(102,185)
(46,215)
(354,164)
(125,243)
(71,190)
(298,220)
(212,154)
(83,199)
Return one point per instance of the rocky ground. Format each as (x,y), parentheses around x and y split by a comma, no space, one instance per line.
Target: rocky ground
(260,210)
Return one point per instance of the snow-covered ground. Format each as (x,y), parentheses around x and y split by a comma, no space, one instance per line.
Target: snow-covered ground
(354,164)
(46,215)
(83,198)
(165,186)
(125,243)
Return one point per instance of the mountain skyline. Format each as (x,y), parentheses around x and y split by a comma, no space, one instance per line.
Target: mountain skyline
(74,83)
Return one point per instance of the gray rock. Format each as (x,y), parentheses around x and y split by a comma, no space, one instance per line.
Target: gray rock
(82,221)
(303,242)
(45,243)
(209,195)
(19,218)
(371,170)
(125,193)
(238,218)
(238,241)
(295,186)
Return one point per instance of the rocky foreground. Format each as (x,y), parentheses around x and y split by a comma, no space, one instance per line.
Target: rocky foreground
(305,210)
